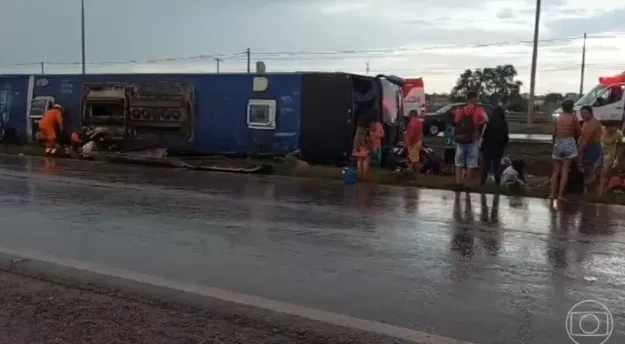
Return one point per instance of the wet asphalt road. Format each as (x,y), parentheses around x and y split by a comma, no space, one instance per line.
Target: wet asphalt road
(484,269)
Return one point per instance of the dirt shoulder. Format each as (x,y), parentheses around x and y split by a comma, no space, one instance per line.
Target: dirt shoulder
(42,308)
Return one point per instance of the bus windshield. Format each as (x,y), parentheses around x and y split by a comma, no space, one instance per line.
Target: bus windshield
(590,97)
(391,94)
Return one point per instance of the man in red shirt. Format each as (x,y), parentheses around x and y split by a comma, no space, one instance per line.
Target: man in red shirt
(469,122)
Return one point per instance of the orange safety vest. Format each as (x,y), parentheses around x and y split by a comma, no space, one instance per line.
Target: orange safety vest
(51,120)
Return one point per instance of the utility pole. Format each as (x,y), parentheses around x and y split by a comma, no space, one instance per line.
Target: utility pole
(368,68)
(82,32)
(218,60)
(581,80)
(248,52)
(43,68)
(530,101)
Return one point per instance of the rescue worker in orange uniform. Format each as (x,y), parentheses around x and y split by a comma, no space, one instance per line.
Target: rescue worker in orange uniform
(49,126)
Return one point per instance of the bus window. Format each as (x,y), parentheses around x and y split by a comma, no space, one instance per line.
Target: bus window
(390,102)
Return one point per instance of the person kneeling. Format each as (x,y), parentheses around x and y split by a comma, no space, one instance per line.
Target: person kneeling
(513,176)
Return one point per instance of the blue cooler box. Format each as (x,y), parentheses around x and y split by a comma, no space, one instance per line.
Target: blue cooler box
(350,176)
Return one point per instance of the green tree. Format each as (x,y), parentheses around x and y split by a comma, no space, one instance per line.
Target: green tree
(493,85)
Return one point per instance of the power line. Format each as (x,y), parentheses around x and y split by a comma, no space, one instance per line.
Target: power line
(430,71)
(544,68)
(607,67)
(320,55)
(438,47)
(165,59)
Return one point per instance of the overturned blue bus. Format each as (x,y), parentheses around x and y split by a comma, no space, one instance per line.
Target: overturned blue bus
(227,114)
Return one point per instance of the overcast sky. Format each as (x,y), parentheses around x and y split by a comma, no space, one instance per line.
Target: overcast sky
(432,39)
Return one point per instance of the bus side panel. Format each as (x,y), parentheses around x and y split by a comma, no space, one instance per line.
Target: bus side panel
(14,103)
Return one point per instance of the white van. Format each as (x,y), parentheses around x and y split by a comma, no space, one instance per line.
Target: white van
(607,101)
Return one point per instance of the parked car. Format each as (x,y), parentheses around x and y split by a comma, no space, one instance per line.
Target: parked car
(435,123)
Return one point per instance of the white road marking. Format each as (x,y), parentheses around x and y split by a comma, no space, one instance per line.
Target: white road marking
(243,299)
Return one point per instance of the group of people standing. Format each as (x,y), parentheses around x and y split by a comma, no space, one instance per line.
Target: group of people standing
(367,149)
(473,137)
(478,134)
(584,147)
(368,145)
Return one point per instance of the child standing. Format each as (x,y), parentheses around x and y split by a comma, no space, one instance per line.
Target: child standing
(361,154)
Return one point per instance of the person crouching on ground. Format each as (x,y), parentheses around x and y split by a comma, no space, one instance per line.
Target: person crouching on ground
(494,143)
(469,122)
(50,125)
(413,141)
(611,139)
(77,139)
(513,177)
(565,129)
(376,133)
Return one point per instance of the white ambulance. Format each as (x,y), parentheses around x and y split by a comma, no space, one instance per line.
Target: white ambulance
(607,101)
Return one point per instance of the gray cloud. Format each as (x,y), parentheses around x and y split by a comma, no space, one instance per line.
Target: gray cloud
(45,30)
(506,13)
(606,21)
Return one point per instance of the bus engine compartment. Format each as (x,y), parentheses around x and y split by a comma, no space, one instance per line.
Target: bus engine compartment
(138,111)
